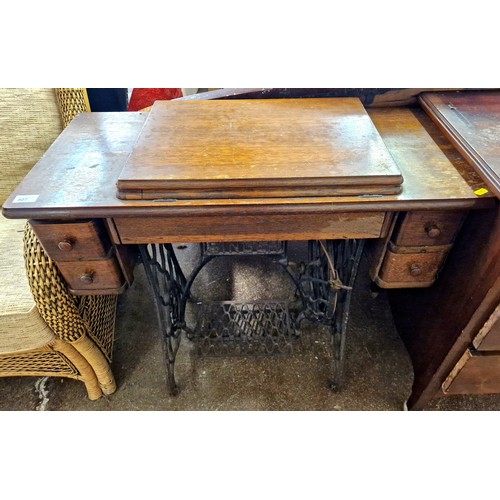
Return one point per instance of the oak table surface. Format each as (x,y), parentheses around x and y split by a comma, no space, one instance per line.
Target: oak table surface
(258,148)
(77,176)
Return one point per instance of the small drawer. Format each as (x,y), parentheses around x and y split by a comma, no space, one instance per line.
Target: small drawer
(70,241)
(411,269)
(475,373)
(86,276)
(427,228)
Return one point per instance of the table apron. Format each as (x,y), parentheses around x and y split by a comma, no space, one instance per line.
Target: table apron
(211,228)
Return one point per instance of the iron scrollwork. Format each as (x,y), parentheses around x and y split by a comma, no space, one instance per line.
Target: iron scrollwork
(323,284)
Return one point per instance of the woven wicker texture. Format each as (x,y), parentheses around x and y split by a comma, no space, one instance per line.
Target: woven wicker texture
(71,102)
(57,307)
(29,123)
(16,296)
(21,326)
(56,359)
(37,362)
(99,314)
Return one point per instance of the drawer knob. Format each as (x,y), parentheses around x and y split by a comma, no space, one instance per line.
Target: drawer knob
(65,245)
(432,231)
(87,277)
(416,269)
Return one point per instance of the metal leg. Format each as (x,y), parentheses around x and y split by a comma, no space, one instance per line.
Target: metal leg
(325,285)
(170,290)
(167,283)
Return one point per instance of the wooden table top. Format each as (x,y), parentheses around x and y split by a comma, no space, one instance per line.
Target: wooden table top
(471,120)
(258,148)
(77,176)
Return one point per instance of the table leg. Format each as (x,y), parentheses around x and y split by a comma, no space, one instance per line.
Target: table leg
(325,286)
(168,285)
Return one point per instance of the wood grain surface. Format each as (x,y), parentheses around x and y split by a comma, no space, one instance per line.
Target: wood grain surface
(488,338)
(476,373)
(265,147)
(407,268)
(428,228)
(471,120)
(76,177)
(438,324)
(249,228)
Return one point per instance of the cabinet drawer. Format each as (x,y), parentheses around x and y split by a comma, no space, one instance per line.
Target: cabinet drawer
(70,241)
(86,276)
(475,373)
(427,228)
(412,269)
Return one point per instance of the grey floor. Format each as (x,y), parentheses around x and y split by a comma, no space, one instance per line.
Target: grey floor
(378,372)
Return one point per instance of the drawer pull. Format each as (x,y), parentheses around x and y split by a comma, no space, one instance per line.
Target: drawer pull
(87,277)
(433,231)
(416,269)
(65,245)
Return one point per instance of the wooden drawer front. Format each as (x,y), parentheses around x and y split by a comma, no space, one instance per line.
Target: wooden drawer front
(90,275)
(249,228)
(427,228)
(475,373)
(488,338)
(73,240)
(411,268)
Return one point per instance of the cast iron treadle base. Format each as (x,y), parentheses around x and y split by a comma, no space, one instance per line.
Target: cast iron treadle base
(324,286)
(243,329)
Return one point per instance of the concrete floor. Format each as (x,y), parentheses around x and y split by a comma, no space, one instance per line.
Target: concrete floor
(378,372)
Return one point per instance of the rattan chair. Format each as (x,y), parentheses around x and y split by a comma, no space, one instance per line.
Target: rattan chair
(44,330)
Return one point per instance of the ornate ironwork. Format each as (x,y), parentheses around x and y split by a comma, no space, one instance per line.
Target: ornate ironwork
(168,285)
(240,329)
(323,284)
(245,248)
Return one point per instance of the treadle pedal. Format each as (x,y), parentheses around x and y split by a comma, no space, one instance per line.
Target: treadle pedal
(243,329)
(244,248)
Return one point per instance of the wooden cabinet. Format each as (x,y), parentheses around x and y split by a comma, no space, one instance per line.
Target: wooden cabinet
(85,256)
(478,370)
(416,249)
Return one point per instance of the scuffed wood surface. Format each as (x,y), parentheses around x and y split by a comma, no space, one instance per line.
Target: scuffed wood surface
(471,121)
(258,149)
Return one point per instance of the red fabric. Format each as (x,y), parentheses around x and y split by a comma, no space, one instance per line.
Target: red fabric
(142,98)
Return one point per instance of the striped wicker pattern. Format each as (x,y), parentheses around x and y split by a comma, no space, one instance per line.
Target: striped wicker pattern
(71,102)
(29,123)
(99,313)
(41,362)
(57,306)
(21,326)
